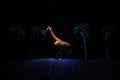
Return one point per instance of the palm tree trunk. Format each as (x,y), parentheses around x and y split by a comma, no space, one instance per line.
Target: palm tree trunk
(85,50)
(107,52)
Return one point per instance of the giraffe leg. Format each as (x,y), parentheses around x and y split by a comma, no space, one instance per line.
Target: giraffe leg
(57,55)
(60,54)
(67,53)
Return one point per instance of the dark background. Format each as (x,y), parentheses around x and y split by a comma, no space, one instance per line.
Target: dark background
(62,15)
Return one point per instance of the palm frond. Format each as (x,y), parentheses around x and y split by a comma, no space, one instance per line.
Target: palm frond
(106,31)
(81,30)
(42,30)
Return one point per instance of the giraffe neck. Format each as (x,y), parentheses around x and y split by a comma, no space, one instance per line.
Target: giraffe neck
(53,36)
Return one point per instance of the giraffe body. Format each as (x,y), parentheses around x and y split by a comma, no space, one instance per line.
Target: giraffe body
(61,46)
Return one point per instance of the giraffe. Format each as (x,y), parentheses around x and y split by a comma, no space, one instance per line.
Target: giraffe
(60,44)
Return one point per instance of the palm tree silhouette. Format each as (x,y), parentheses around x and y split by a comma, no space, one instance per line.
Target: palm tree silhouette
(81,30)
(106,33)
(16,32)
(17,36)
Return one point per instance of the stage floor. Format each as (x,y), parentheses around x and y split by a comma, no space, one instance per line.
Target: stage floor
(61,69)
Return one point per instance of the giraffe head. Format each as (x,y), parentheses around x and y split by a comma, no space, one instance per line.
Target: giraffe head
(49,28)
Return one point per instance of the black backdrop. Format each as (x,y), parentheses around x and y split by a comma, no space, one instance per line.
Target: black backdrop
(63,15)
